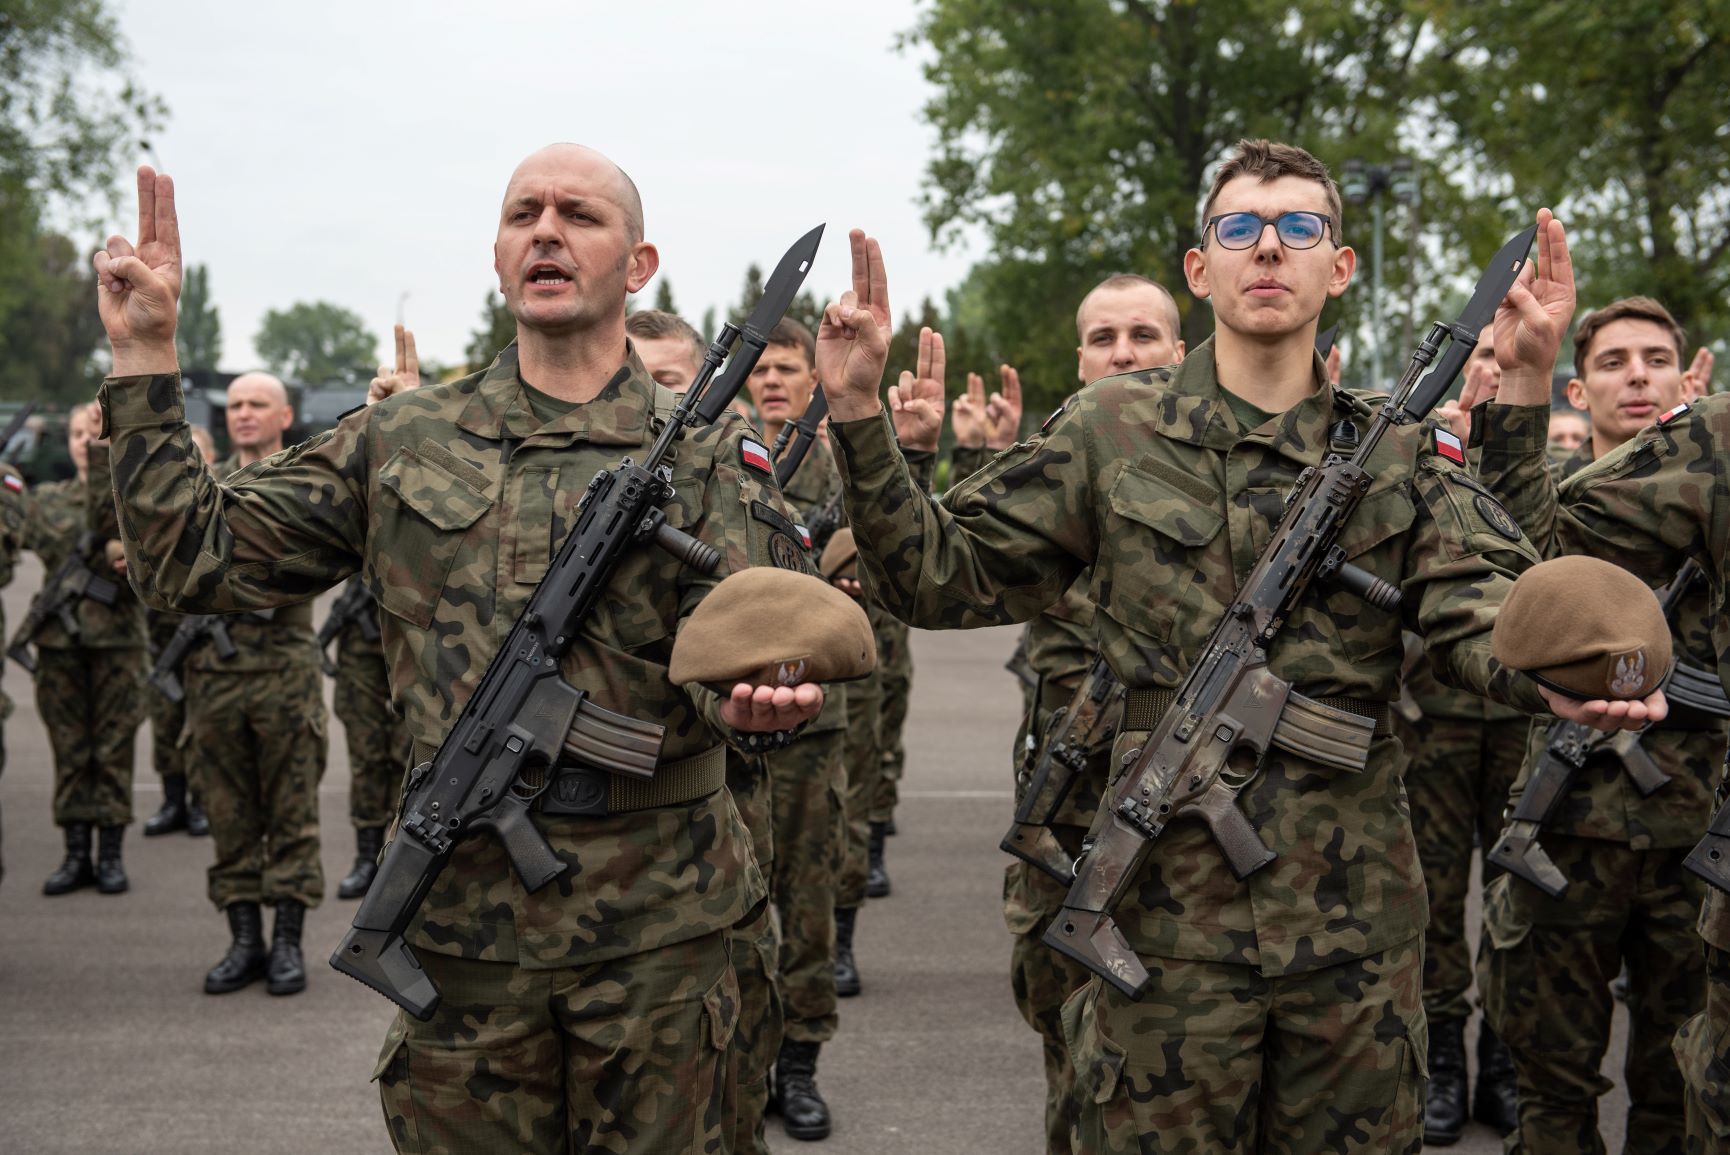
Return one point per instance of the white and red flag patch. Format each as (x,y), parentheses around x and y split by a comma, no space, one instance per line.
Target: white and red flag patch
(1449,447)
(756,456)
(804,535)
(15,484)
(1673,414)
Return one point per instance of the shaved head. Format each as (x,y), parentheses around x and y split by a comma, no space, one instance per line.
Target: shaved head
(260,383)
(623,190)
(258,415)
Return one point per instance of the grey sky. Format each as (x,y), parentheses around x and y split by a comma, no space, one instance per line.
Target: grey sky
(353,152)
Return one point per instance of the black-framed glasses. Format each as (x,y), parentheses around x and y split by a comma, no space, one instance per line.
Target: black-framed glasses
(1296,230)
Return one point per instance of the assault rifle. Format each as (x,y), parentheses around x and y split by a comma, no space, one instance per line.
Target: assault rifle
(72,581)
(165,673)
(1230,699)
(524,720)
(805,432)
(1567,746)
(1088,721)
(354,606)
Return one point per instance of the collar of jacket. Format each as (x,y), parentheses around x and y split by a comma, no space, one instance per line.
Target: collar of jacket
(1192,410)
(619,414)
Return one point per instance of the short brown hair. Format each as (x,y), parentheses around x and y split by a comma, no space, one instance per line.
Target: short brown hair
(654,324)
(788,332)
(1131,281)
(1268,160)
(1626,309)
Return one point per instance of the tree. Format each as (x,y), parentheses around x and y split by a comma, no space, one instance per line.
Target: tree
(316,343)
(498,329)
(664,297)
(52,336)
(198,333)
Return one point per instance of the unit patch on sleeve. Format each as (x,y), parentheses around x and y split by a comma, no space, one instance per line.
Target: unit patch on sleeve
(1449,447)
(756,456)
(1500,519)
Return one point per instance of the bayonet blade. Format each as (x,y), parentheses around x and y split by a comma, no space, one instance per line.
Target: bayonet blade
(778,293)
(1499,276)
(1325,341)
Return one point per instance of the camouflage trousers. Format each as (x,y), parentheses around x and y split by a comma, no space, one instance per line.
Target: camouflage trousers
(864,776)
(1457,778)
(1702,1050)
(167,721)
(1218,1057)
(805,782)
(757,1037)
(623,1056)
(259,740)
(91,702)
(1043,980)
(1548,990)
(377,736)
(896,658)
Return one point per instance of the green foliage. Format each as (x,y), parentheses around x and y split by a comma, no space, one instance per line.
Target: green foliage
(198,332)
(804,308)
(317,343)
(50,335)
(664,297)
(497,329)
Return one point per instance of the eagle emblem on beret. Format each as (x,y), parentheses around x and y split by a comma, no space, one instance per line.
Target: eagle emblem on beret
(1628,673)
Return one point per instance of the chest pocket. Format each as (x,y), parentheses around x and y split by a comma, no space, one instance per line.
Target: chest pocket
(1364,631)
(1150,579)
(430,499)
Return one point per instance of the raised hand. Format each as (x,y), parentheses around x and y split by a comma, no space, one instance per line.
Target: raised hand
(916,403)
(853,340)
(967,412)
(1533,318)
(404,377)
(1003,411)
(139,285)
(1697,378)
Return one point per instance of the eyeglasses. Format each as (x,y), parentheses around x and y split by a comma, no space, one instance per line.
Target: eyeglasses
(1296,230)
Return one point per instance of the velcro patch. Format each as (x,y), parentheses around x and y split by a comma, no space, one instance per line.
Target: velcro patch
(1673,414)
(1449,447)
(756,456)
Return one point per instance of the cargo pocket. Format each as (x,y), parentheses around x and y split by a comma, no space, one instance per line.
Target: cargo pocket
(395,1088)
(1098,1062)
(1021,905)
(1154,579)
(429,498)
(1510,992)
(721,1011)
(1700,1055)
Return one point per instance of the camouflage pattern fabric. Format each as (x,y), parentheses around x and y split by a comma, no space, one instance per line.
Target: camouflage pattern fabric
(1220,1057)
(862,759)
(59,512)
(167,717)
(1148,478)
(755,949)
(1702,1052)
(895,652)
(13,514)
(377,737)
(634,1046)
(450,500)
(1547,990)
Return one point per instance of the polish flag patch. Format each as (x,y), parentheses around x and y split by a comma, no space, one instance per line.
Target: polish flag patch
(1449,447)
(804,535)
(16,484)
(1673,414)
(756,456)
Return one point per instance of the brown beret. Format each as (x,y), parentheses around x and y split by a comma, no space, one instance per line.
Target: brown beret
(773,627)
(1585,628)
(840,557)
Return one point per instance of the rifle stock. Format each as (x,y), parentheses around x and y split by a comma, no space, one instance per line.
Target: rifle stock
(72,581)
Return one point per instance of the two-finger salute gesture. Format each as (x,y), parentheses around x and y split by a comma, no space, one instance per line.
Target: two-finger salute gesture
(853,340)
(139,284)
(404,377)
(1533,318)
(916,402)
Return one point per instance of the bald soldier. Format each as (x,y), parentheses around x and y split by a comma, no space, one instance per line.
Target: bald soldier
(594,1012)
(256,732)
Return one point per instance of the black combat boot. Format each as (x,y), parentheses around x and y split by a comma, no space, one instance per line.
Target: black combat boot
(846,970)
(1445,1101)
(876,875)
(243,965)
(1496,1099)
(110,871)
(804,1114)
(76,872)
(287,971)
(889,827)
(172,815)
(197,824)
(368,841)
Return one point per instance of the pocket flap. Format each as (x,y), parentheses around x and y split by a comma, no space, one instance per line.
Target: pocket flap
(433,489)
(395,1039)
(1161,505)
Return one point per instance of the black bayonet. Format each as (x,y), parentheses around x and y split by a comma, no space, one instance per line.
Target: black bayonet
(803,433)
(778,293)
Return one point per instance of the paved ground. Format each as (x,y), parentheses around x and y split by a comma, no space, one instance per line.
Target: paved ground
(107,1042)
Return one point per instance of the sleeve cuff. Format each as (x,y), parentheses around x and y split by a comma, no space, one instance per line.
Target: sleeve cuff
(869,456)
(131,402)
(1510,432)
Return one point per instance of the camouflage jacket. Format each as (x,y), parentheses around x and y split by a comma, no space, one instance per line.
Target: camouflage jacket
(807,491)
(13,515)
(450,501)
(1604,803)
(59,513)
(1659,498)
(1148,478)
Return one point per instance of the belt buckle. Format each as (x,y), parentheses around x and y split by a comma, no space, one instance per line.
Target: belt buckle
(578,790)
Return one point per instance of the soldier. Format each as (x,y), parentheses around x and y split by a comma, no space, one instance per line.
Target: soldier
(180,809)
(1568,430)
(669,348)
(807,781)
(1285,1011)
(1629,900)
(13,514)
(592,1012)
(89,685)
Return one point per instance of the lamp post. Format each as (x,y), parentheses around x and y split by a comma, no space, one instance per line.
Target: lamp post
(1362,183)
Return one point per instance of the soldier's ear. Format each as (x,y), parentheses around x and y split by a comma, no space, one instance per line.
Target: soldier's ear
(1195,272)
(644,260)
(1577,394)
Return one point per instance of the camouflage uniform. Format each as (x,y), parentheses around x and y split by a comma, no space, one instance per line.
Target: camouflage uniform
(1629,899)
(372,726)
(12,522)
(596,1009)
(1660,498)
(895,651)
(256,729)
(806,783)
(755,949)
(167,717)
(1286,1009)
(89,690)
(863,759)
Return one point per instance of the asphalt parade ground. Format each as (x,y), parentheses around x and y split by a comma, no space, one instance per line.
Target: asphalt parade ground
(108,1043)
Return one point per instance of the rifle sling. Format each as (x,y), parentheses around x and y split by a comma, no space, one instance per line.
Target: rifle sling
(1336,732)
